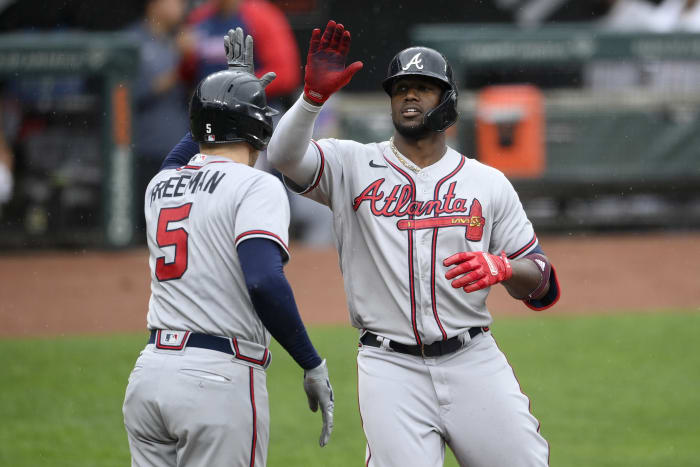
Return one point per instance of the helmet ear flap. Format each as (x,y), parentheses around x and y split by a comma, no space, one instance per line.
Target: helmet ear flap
(444,115)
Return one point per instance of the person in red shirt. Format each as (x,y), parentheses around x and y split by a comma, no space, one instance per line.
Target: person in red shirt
(275,47)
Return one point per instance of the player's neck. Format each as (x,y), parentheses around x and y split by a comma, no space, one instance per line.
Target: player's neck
(422,152)
(241,153)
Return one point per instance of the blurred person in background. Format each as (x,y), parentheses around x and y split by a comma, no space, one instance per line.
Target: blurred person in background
(160,110)
(275,50)
(275,47)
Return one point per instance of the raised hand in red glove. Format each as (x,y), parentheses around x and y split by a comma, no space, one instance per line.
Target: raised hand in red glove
(480,270)
(325,71)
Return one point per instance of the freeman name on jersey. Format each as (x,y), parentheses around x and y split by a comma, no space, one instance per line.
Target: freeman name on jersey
(176,186)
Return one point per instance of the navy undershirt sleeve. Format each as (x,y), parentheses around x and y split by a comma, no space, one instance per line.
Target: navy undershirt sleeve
(273,300)
(181,153)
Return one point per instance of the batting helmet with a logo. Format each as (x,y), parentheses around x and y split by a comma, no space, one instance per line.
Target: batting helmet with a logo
(427,62)
(231,106)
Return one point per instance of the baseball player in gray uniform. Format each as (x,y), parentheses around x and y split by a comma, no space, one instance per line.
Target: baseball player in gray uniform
(422,232)
(217,235)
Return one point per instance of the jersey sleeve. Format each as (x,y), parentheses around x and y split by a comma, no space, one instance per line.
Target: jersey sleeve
(512,230)
(264,213)
(328,175)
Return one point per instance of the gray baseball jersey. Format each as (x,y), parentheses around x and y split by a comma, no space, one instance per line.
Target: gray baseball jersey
(394,227)
(196,216)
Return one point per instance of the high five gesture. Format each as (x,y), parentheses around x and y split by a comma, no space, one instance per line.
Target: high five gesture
(325,71)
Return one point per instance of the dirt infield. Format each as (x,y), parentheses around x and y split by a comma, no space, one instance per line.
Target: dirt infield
(54,293)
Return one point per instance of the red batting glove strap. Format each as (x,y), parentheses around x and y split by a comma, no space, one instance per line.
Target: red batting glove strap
(476,270)
(325,71)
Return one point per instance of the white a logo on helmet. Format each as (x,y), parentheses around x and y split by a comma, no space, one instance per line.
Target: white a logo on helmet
(415,61)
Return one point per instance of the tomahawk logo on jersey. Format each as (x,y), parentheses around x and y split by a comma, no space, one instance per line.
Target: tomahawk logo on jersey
(397,203)
(417,220)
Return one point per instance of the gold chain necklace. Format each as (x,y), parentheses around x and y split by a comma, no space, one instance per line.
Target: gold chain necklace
(409,165)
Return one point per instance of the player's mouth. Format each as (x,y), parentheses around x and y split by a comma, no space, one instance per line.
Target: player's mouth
(410,111)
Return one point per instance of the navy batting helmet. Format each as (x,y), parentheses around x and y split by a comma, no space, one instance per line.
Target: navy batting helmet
(231,106)
(427,62)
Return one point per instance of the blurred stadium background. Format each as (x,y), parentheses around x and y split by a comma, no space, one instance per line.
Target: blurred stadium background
(597,126)
(591,107)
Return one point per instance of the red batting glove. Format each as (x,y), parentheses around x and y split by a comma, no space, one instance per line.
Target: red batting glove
(325,71)
(480,270)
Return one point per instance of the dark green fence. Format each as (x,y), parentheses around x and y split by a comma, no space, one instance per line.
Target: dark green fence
(622,118)
(70,93)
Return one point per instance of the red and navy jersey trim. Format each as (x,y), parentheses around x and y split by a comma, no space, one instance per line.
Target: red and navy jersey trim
(263,233)
(182,345)
(359,409)
(317,180)
(411,284)
(530,244)
(262,362)
(529,401)
(254,441)
(433,252)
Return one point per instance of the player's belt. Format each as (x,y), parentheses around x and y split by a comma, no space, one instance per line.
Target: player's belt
(436,349)
(178,340)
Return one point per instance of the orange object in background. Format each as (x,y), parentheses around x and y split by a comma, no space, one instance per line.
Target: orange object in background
(510,129)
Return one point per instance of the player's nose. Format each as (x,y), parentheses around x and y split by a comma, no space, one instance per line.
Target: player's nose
(411,94)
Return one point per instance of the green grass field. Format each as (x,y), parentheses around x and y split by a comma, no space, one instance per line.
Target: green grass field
(609,390)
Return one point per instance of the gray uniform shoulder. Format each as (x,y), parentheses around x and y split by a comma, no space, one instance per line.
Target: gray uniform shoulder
(265,178)
(246,178)
(481,169)
(356,148)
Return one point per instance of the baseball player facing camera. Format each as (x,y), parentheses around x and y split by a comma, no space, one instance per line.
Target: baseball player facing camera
(423,232)
(217,235)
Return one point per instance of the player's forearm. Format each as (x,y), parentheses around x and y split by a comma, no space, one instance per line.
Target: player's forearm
(526,278)
(273,300)
(290,150)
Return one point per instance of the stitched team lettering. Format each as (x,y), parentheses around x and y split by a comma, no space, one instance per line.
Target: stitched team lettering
(471,221)
(173,187)
(399,204)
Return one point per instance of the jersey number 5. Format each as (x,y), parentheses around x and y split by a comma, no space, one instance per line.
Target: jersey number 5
(176,237)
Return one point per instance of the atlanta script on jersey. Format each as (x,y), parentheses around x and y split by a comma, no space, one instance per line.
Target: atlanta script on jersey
(394,228)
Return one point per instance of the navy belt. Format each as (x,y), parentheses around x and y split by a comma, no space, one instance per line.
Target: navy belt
(436,349)
(220,344)
(203,341)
